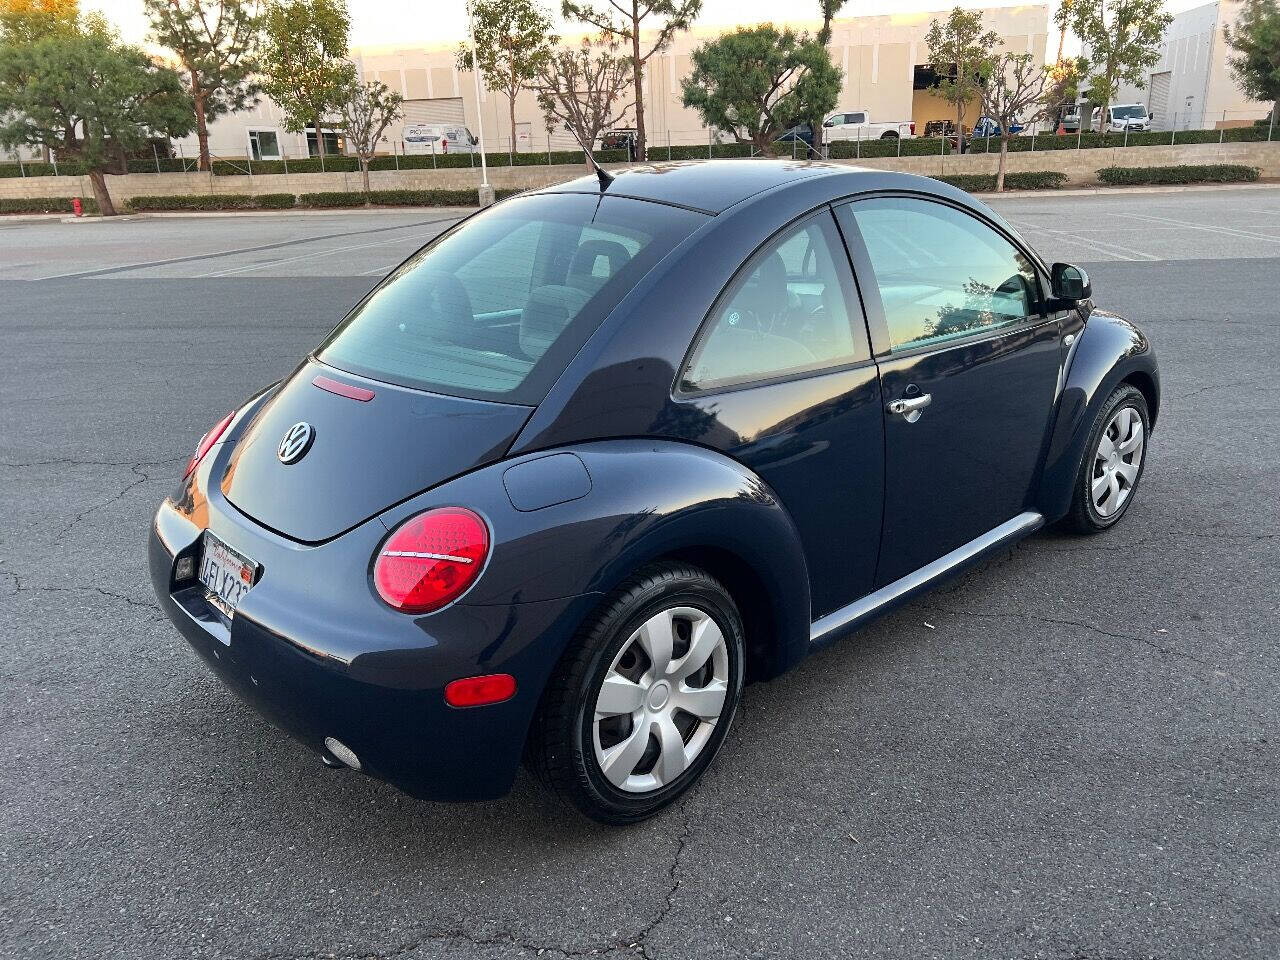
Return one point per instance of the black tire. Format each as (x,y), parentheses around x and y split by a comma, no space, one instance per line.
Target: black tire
(888,135)
(1084,516)
(561,747)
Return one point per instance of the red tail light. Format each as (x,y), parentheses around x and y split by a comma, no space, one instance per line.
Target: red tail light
(477,691)
(431,559)
(913,128)
(206,443)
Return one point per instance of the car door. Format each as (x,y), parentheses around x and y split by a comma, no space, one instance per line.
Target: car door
(969,367)
(781,379)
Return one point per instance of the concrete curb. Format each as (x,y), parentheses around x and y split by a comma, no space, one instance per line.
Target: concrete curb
(211,214)
(1116,191)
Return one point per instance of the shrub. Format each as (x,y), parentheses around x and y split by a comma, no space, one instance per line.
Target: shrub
(397,198)
(1189,173)
(46,205)
(1026,180)
(223,201)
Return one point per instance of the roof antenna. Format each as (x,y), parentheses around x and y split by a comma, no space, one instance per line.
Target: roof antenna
(602,175)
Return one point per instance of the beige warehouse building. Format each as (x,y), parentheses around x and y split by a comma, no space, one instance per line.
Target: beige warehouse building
(882,58)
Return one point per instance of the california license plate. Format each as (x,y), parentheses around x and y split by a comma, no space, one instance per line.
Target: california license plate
(226,574)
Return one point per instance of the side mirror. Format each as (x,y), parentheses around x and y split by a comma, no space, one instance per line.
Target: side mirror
(828,123)
(1070,282)
(1151,116)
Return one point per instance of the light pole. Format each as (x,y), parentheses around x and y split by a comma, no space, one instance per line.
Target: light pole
(486,191)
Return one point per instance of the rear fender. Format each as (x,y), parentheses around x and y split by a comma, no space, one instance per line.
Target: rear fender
(579,519)
(1108,351)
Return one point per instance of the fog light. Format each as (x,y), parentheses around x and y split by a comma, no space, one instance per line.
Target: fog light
(186,568)
(342,752)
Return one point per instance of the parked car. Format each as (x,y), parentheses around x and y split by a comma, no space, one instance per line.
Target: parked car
(1123,116)
(599,454)
(1070,121)
(989,127)
(624,139)
(800,133)
(857,125)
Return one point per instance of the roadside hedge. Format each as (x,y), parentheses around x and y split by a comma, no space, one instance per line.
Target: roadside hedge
(1188,173)
(1022,180)
(46,205)
(397,198)
(222,201)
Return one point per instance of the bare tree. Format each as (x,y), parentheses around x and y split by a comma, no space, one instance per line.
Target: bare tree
(1013,93)
(367,110)
(581,88)
(623,22)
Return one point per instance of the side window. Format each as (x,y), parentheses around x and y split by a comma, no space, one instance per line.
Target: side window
(856,118)
(788,311)
(942,274)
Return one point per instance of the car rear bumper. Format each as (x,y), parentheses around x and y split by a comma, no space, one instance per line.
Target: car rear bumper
(329,660)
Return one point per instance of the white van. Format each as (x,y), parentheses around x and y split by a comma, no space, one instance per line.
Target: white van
(438,138)
(1122,117)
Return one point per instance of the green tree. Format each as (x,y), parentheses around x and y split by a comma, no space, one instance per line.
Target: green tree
(215,41)
(367,110)
(305,63)
(580,88)
(960,52)
(829,10)
(622,21)
(1256,42)
(756,81)
(513,40)
(85,94)
(29,20)
(1121,39)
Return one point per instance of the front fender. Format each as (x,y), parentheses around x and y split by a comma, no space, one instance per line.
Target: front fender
(1109,350)
(561,530)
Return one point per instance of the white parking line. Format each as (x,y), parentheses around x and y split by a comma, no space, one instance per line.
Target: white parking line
(1224,231)
(1124,253)
(313,256)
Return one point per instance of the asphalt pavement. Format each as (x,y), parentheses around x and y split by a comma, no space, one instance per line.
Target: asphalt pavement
(1072,753)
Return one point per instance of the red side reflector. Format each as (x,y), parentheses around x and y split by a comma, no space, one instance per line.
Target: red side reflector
(478,691)
(206,443)
(343,389)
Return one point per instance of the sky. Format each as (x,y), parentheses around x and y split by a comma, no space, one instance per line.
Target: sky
(430,23)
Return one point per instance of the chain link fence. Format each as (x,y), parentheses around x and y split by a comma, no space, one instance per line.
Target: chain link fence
(550,148)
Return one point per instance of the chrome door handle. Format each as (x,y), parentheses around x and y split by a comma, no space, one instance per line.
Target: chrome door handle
(910,407)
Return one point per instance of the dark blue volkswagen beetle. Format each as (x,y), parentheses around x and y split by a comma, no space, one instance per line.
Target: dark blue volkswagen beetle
(598,455)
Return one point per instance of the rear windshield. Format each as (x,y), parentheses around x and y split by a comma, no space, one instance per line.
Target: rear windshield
(496,308)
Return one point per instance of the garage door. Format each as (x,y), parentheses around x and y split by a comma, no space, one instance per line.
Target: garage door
(1160,100)
(446,110)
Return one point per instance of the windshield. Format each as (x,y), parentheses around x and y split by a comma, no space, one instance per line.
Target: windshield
(1133,112)
(496,308)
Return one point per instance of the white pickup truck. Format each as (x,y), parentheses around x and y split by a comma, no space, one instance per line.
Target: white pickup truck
(857,125)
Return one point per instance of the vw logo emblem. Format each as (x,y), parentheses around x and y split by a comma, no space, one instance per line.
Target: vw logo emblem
(296,442)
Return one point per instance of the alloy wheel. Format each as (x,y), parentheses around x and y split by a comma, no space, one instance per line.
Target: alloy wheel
(1117,462)
(660,700)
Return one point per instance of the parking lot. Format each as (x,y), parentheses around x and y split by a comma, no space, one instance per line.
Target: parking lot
(1071,753)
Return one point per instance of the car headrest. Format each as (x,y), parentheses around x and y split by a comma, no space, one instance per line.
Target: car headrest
(582,269)
(550,309)
(441,304)
(770,286)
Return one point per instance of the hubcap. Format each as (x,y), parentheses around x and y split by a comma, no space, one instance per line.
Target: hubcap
(1116,462)
(661,699)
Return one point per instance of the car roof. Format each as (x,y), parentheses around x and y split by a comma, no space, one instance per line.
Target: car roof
(709,186)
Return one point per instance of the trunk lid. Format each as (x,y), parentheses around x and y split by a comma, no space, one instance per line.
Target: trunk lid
(363,457)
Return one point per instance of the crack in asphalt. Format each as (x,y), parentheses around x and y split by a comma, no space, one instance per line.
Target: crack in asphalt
(979,615)
(142,477)
(640,943)
(21,587)
(68,461)
(637,944)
